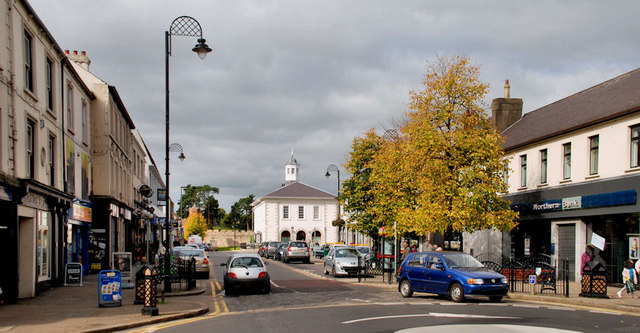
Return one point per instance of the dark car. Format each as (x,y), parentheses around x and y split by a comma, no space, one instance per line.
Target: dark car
(279,254)
(262,248)
(245,272)
(455,274)
(270,249)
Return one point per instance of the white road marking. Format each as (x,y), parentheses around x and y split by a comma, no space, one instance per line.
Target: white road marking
(430,314)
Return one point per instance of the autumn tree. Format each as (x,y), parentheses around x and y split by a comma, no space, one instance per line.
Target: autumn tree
(442,171)
(357,191)
(195,225)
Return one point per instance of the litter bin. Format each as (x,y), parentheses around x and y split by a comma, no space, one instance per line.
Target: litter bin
(594,280)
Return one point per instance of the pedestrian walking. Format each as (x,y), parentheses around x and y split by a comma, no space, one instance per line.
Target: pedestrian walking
(405,250)
(629,278)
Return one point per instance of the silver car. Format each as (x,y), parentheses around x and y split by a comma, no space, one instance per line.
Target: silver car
(343,260)
(202,260)
(296,250)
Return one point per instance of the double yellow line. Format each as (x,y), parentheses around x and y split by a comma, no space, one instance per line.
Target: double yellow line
(219,305)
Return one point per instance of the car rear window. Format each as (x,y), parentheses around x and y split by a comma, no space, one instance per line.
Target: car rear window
(246,262)
(298,244)
(189,253)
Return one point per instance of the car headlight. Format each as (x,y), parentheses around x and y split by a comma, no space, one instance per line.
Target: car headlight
(475,281)
(505,280)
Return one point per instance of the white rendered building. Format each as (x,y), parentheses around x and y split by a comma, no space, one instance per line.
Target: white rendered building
(295,209)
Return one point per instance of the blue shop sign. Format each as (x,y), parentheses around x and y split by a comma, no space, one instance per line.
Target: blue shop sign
(579,202)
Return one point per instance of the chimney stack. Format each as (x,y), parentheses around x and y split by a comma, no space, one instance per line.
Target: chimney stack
(505,111)
(81,59)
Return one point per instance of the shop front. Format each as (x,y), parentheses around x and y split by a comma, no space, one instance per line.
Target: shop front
(561,221)
(78,226)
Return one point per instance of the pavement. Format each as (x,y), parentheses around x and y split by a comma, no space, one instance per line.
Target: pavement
(75,309)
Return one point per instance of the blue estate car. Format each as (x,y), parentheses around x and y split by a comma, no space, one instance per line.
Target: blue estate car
(449,273)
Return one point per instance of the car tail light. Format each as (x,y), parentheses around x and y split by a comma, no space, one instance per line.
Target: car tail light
(233,275)
(205,261)
(399,269)
(289,249)
(261,275)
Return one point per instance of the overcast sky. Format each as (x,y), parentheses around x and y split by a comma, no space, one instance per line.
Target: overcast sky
(312,75)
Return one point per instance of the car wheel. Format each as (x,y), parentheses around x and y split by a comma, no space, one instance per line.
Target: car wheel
(333,271)
(228,292)
(206,275)
(267,288)
(326,272)
(456,293)
(405,288)
(495,299)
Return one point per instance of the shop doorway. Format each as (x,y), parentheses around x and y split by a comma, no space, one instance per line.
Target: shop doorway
(567,246)
(301,235)
(285,236)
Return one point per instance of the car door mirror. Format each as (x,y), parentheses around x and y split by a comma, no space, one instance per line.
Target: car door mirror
(329,257)
(266,263)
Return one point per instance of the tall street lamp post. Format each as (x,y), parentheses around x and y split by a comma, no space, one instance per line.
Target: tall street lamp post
(189,27)
(334,168)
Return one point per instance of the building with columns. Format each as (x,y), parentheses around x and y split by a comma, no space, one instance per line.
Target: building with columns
(295,211)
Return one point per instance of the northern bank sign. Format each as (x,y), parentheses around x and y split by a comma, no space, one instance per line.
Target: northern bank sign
(581,202)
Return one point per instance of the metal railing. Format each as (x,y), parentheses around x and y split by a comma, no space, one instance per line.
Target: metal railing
(533,274)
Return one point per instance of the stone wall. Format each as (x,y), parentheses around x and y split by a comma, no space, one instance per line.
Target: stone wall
(225,238)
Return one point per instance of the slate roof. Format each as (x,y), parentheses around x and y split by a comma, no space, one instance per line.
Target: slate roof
(611,99)
(298,190)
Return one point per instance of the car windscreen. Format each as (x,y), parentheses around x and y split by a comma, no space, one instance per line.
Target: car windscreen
(461,260)
(363,250)
(346,253)
(246,262)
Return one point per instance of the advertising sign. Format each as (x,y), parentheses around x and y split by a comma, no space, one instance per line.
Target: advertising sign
(122,263)
(73,274)
(597,241)
(162,196)
(634,243)
(109,288)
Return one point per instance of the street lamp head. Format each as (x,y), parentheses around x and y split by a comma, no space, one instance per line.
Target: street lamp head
(327,174)
(182,157)
(202,48)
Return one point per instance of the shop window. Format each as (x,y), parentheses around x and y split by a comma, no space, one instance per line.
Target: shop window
(566,161)
(594,150)
(43,246)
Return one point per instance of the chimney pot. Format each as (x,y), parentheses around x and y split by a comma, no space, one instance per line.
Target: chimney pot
(507,89)
(84,53)
(66,51)
(75,52)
